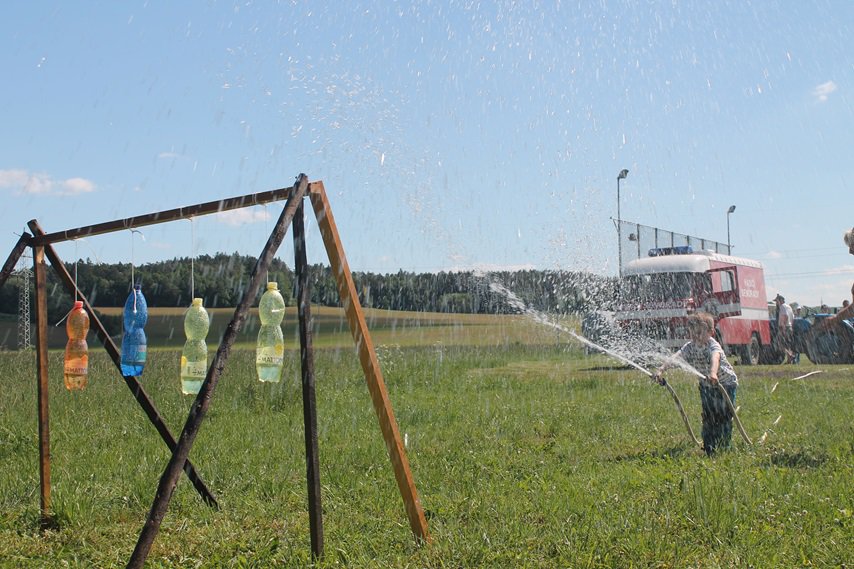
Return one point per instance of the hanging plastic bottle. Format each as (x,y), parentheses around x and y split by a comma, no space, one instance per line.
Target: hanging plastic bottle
(269,355)
(76,350)
(134,346)
(194,357)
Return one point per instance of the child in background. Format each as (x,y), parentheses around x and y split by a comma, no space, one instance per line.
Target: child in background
(706,355)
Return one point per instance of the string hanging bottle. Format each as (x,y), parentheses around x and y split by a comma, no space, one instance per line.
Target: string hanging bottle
(76,370)
(194,357)
(269,354)
(134,344)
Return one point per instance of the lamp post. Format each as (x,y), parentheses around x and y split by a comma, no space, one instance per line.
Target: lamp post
(621,176)
(728,246)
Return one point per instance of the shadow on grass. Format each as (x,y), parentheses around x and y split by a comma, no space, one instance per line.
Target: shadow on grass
(797,459)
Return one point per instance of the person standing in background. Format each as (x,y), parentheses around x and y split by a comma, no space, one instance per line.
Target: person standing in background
(785,320)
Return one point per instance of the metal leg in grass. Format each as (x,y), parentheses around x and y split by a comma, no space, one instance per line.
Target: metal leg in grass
(46,519)
(309,406)
(370,363)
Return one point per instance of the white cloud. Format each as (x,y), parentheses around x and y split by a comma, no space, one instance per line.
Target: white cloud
(823,91)
(77,186)
(38,183)
(774,255)
(245,216)
(13,178)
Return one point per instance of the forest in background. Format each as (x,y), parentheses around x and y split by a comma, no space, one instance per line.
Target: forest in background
(220,281)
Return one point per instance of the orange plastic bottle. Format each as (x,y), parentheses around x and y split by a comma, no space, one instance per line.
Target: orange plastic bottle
(77,351)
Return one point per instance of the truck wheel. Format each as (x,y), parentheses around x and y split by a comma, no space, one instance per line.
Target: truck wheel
(749,354)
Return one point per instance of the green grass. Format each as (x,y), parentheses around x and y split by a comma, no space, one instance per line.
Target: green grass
(524,455)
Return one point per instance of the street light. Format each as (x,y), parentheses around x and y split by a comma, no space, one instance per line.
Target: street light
(728,246)
(621,176)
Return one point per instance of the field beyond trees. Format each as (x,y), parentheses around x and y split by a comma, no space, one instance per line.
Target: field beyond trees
(525,453)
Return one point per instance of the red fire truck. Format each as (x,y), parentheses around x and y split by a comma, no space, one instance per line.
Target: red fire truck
(659,291)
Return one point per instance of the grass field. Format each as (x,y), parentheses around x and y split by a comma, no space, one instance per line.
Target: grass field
(525,452)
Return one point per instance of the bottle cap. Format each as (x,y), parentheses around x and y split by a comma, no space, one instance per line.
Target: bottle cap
(272,286)
(78,304)
(197,302)
(137,287)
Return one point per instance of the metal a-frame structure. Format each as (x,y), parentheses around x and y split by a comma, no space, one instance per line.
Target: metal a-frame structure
(292,214)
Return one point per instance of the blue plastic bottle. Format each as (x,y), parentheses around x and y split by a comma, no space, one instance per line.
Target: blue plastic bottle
(133,342)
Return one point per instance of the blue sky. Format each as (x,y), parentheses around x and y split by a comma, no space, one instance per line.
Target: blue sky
(447,134)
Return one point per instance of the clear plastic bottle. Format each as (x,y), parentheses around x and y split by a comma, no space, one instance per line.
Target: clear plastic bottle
(194,357)
(76,350)
(134,345)
(269,355)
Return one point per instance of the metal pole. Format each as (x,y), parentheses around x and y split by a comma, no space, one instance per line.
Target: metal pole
(169,479)
(309,409)
(164,216)
(370,363)
(728,244)
(45,518)
(623,173)
(619,234)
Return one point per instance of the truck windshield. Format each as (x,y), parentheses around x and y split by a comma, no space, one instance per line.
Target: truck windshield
(662,287)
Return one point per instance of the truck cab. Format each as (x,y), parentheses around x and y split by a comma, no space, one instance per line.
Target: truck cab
(660,291)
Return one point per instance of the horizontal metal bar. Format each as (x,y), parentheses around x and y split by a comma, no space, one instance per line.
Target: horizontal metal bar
(165,216)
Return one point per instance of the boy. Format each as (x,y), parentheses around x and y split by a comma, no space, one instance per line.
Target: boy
(706,355)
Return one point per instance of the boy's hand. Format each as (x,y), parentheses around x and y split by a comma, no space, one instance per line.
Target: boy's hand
(713,379)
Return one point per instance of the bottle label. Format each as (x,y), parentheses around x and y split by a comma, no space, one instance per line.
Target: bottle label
(268,356)
(136,355)
(76,369)
(196,370)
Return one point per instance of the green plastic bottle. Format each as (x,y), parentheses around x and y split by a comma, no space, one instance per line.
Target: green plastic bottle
(194,357)
(269,354)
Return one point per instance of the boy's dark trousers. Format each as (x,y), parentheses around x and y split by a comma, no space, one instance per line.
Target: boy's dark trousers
(717,418)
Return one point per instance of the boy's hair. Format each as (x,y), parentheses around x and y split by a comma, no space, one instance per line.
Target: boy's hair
(701,321)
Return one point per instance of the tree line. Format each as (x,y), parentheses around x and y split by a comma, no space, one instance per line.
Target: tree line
(220,280)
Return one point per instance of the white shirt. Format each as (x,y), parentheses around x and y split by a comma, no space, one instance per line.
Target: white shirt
(786,316)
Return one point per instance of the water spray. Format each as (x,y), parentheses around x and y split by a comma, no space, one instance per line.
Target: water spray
(517,303)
